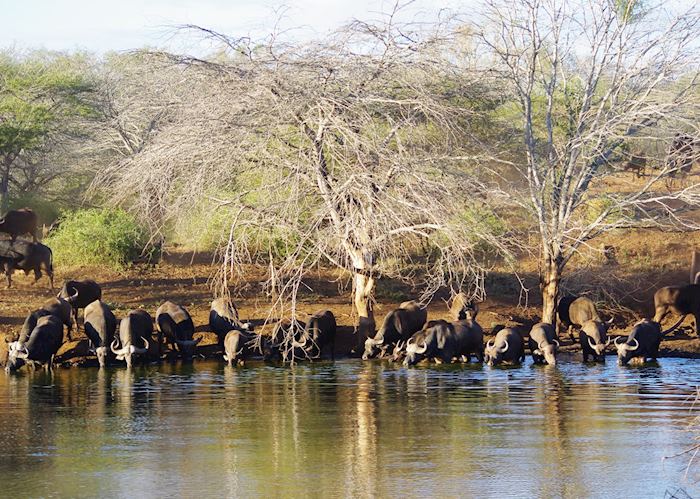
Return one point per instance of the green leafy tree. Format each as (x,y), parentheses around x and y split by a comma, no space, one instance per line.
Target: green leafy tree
(41,95)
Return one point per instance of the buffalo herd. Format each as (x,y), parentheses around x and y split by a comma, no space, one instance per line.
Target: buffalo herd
(405,334)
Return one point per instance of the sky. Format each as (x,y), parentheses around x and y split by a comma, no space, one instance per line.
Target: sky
(101,25)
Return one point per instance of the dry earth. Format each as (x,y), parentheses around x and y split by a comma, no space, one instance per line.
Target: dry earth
(184,281)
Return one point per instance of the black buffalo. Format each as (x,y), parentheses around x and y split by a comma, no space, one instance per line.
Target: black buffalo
(100,326)
(594,339)
(543,343)
(279,345)
(444,341)
(508,346)
(16,222)
(642,343)
(26,256)
(134,329)
(399,325)
(237,346)
(319,332)
(575,310)
(41,346)
(462,308)
(223,318)
(681,300)
(176,324)
(80,294)
(54,306)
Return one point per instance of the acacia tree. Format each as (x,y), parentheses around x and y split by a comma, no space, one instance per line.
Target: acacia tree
(586,76)
(335,152)
(41,95)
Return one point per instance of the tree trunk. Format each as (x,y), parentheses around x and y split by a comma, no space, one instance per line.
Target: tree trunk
(364,304)
(5,185)
(551,275)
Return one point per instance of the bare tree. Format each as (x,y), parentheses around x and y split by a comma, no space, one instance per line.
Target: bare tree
(136,96)
(586,76)
(338,151)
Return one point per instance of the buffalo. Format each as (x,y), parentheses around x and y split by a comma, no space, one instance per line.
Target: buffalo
(16,222)
(41,346)
(134,329)
(237,346)
(100,326)
(399,324)
(319,332)
(444,341)
(80,294)
(176,324)
(508,346)
(643,342)
(543,343)
(279,345)
(463,308)
(54,306)
(575,310)
(681,300)
(681,154)
(26,256)
(594,339)
(223,318)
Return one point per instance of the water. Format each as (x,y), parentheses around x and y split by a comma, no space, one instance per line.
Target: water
(347,429)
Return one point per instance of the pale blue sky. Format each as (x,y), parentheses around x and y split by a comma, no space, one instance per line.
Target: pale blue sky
(99,26)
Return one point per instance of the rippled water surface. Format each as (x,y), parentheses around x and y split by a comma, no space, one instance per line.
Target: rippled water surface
(347,429)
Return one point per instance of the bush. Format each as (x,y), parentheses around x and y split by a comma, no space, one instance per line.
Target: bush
(97,236)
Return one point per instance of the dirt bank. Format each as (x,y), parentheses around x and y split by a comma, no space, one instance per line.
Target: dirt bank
(188,284)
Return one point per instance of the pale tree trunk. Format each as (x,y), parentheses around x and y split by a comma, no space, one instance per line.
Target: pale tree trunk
(364,305)
(551,275)
(5,185)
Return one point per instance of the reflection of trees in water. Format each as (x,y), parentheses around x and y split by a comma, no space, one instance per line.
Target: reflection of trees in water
(28,426)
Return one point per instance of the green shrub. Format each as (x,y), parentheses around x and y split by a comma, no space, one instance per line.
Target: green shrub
(97,236)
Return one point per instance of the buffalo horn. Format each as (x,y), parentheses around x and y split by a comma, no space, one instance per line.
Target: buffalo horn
(504,350)
(300,344)
(674,326)
(113,347)
(141,350)
(590,342)
(636,344)
(72,297)
(422,349)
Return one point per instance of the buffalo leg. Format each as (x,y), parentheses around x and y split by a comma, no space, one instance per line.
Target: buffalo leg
(660,313)
(37,276)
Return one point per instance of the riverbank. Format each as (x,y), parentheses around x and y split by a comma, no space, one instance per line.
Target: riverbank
(186,282)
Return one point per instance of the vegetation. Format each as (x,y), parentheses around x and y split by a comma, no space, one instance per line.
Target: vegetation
(109,237)
(423,152)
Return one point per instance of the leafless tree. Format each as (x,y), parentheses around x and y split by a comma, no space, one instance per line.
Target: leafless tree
(585,76)
(339,151)
(136,96)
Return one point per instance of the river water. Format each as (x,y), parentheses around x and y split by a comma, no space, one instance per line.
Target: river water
(348,429)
